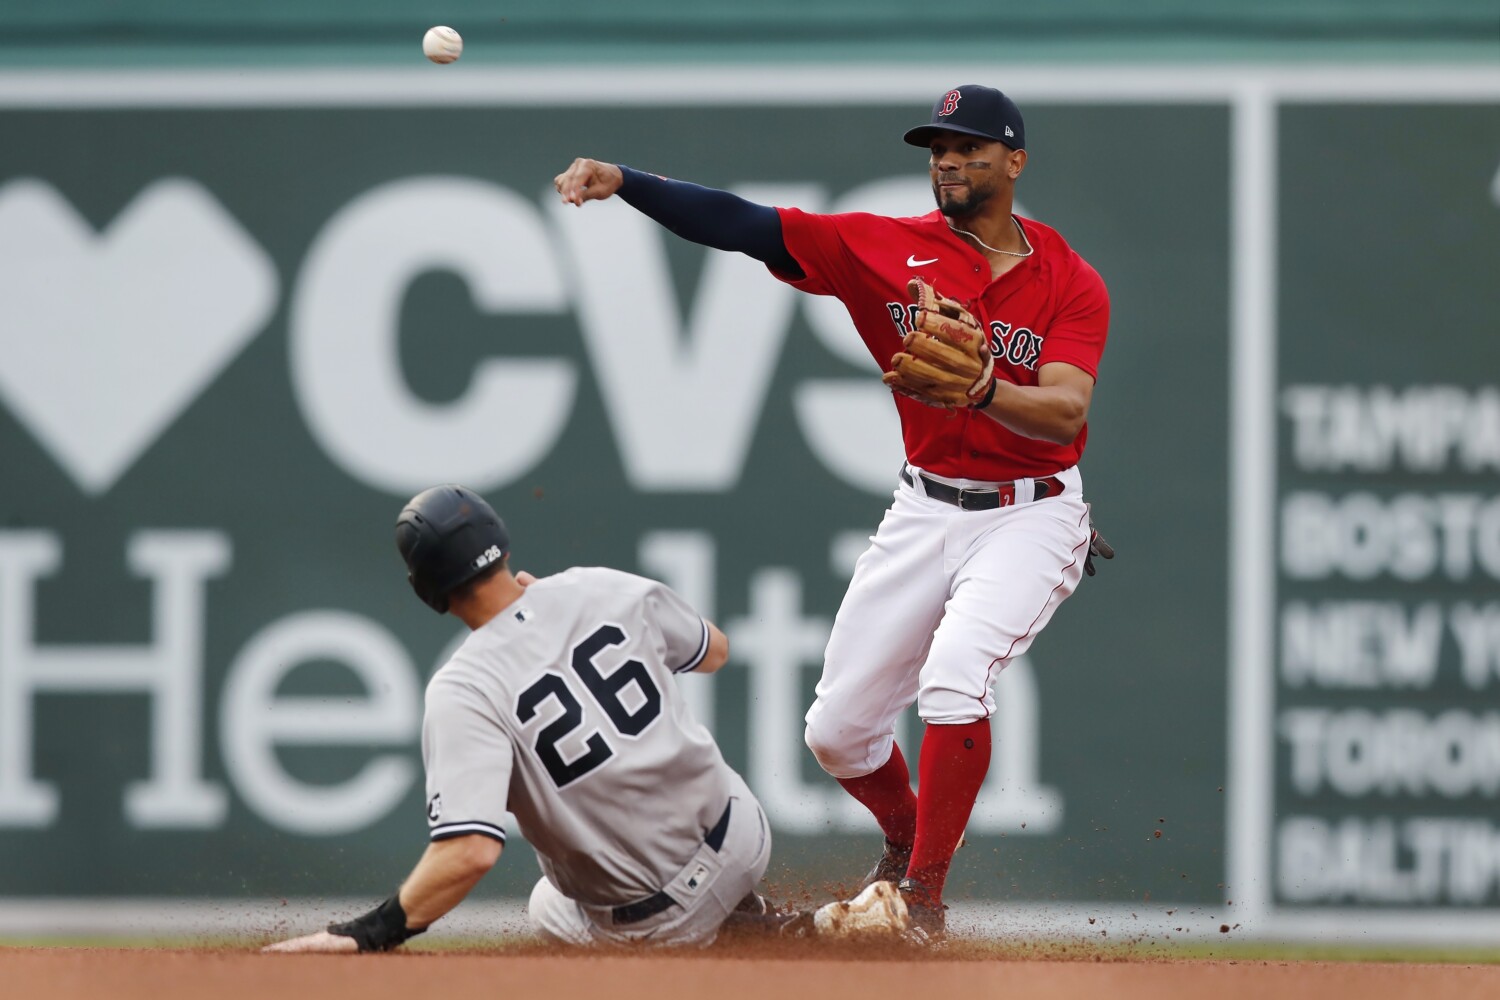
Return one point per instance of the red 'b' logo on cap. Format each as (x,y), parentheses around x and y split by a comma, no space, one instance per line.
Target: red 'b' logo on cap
(950,103)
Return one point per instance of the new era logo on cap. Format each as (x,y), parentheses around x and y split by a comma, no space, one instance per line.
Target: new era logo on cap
(974,110)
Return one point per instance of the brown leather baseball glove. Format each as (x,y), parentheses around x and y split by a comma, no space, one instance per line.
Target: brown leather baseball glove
(946,361)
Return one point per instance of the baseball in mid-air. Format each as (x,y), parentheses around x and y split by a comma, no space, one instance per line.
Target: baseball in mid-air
(442,44)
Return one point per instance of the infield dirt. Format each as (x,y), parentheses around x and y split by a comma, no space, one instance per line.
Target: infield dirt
(751,973)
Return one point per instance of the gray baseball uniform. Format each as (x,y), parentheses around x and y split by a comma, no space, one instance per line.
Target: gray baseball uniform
(562,710)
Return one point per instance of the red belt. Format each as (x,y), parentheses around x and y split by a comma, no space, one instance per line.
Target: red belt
(967,499)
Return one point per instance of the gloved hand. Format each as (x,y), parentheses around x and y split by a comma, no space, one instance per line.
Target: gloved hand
(946,361)
(1097,547)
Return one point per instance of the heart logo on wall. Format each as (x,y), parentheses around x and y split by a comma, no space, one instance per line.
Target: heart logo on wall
(106,337)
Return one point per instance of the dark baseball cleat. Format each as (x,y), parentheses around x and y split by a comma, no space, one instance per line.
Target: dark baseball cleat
(753,903)
(756,916)
(928,919)
(797,924)
(891,867)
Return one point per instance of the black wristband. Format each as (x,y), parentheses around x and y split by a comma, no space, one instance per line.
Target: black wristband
(988,398)
(382,929)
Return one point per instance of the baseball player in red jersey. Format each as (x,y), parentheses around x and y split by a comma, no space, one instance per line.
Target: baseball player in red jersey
(990,329)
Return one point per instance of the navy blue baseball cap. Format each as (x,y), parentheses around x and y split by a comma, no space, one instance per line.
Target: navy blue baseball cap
(974,110)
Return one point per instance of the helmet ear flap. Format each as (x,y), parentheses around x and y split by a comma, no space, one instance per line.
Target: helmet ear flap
(435,601)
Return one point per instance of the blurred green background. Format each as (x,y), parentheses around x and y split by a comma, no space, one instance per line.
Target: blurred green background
(245,311)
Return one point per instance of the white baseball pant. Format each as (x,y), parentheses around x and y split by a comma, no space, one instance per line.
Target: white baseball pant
(938,604)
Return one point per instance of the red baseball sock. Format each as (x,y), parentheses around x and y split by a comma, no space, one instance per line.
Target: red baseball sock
(886,792)
(952,766)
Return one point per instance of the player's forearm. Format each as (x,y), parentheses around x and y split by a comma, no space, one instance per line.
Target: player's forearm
(709,216)
(444,876)
(1053,413)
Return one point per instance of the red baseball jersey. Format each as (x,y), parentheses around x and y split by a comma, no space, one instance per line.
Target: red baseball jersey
(1052,306)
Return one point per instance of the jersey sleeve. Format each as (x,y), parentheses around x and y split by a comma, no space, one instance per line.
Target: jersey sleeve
(468,756)
(683,631)
(1076,336)
(817,244)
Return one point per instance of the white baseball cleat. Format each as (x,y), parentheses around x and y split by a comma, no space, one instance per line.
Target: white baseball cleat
(877,911)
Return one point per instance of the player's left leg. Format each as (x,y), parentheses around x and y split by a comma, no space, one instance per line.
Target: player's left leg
(875,651)
(1020,563)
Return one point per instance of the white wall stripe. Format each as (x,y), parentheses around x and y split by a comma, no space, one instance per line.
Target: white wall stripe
(791,85)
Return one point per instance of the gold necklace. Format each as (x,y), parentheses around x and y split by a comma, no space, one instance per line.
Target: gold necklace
(1009,253)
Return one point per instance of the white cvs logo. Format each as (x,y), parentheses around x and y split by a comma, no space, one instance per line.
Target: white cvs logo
(106,338)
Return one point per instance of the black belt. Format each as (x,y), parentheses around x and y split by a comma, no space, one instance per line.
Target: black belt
(967,499)
(634,913)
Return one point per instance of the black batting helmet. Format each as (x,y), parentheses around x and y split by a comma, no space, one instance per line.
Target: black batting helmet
(448,535)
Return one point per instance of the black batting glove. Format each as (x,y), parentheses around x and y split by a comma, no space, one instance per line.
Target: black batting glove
(382,929)
(1097,547)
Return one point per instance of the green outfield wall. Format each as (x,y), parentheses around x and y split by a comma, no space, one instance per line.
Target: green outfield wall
(244,315)
(211,32)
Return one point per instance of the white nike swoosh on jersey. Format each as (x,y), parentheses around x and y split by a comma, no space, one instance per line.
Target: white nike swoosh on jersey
(913,262)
